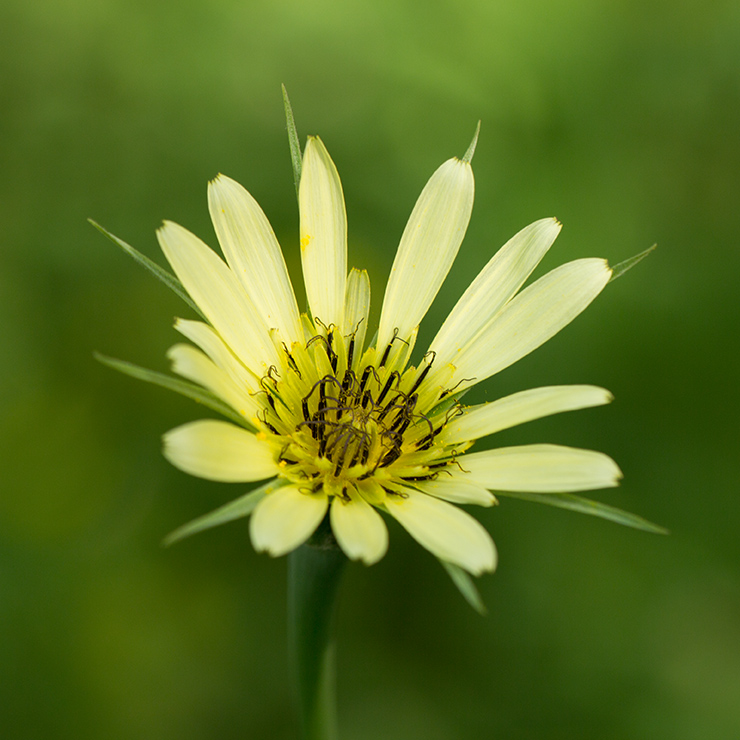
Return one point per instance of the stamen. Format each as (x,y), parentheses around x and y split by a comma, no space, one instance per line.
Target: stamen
(351,351)
(395,375)
(423,373)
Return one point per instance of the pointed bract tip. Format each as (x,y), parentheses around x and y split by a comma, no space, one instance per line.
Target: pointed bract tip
(468,157)
(620,268)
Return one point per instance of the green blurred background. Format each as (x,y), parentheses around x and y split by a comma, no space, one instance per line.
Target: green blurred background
(620,118)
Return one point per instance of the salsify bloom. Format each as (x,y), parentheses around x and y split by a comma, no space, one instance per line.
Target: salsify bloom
(345,426)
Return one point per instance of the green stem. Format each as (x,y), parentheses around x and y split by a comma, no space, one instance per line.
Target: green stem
(314,572)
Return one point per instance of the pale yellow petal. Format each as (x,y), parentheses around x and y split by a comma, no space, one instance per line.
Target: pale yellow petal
(457,491)
(446,531)
(285,519)
(253,253)
(495,285)
(323,234)
(205,337)
(359,529)
(219,295)
(218,450)
(540,468)
(428,248)
(193,364)
(510,411)
(357,308)
(531,318)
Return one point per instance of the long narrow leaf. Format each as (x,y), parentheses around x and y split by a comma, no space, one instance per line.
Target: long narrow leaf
(587,506)
(152,267)
(184,388)
(621,267)
(295,145)
(465,585)
(236,509)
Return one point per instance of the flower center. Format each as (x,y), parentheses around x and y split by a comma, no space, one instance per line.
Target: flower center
(338,418)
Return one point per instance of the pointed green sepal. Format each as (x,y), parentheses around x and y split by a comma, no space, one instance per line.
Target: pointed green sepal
(189,390)
(620,268)
(465,585)
(468,156)
(159,272)
(587,506)
(295,146)
(236,509)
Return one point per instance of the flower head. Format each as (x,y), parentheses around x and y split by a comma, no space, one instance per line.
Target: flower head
(348,427)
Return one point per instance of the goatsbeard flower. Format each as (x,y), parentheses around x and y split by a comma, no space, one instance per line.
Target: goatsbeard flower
(346,427)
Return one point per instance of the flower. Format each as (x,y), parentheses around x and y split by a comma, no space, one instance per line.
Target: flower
(345,426)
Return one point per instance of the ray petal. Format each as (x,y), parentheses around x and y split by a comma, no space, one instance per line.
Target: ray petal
(219,295)
(428,248)
(531,318)
(541,468)
(519,408)
(323,234)
(285,519)
(359,529)
(495,285)
(253,253)
(446,531)
(457,491)
(218,450)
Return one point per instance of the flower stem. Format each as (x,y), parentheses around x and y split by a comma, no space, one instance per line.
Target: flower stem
(314,572)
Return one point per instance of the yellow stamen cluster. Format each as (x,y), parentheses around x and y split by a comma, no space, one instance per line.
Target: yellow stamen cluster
(340,421)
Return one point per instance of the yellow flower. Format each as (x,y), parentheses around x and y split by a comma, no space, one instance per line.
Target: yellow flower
(346,426)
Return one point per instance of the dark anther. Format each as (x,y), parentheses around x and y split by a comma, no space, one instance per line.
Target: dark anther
(267,423)
(347,380)
(391,456)
(271,401)
(400,428)
(291,361)
(365,376)
(430,476)
(426,442)
(392,406)
(351,351)
(393,376)
(386,353)
(390,344)
(421,377)
(327,340)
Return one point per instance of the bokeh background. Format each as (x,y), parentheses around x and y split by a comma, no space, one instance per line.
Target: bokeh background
(620,118)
